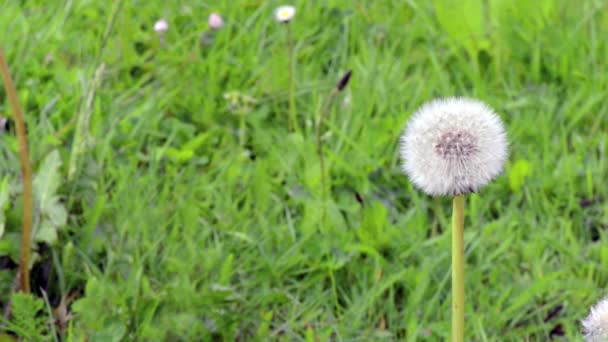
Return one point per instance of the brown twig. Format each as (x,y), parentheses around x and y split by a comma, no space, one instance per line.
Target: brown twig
(26,172)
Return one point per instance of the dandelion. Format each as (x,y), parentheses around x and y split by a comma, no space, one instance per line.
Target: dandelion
(452,147)
(161,26)
(595,326)
(284,14)
(215,21)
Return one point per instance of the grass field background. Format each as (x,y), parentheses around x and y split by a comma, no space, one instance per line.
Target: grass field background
(194,213)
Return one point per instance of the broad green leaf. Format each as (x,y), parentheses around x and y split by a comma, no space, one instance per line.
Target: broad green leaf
(532,15)
(463,21)
(518,173)
(374,230)
(53,214)
(56,213)
(112,332)
(47,180)
(46,232)
(9,244)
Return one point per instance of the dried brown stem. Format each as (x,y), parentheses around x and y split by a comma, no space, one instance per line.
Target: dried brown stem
(26,172)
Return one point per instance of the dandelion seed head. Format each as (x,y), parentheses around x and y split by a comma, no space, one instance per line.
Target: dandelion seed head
(215,21)
(595,326)
(453,146)
(284,14)
(161,26)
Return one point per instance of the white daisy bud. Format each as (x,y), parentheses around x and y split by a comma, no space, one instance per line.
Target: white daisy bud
(284,14)
(453,146)
(161,26)
(215,21)
(595,326)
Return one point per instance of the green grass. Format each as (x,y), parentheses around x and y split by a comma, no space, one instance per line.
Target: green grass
(178,232)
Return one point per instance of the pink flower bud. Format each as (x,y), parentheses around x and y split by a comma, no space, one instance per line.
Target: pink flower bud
(161,26)
(215,21)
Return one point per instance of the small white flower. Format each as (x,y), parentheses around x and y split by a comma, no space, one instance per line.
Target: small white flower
(595,326)
(215,21)
(284,14)
(453,146)
(161,26)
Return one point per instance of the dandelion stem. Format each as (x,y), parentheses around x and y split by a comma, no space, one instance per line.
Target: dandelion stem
(26,171)
(458,269)
(293,125)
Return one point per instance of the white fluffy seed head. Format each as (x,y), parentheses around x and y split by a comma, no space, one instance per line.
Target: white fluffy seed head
(595,326)
(453,146)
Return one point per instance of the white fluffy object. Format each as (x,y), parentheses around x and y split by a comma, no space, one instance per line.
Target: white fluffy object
(453,146)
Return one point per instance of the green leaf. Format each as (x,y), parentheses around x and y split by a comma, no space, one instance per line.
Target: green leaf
(374,230)
(26,321)
(264,328)
(226,270)
(57,214)
(518,173)
(112,332)
(46,232)
(53,214)
(310,335)
(197,142)
(463,21)
(9,244)
(48,180)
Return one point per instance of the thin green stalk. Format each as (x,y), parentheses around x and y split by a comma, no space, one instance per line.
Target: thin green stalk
(86,109)
(320,123)
(293,123)
(458,269)
(82,125)
(242,128)
(26,171)
(337,89)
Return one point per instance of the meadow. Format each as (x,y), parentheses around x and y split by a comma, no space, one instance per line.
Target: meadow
(177,184)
